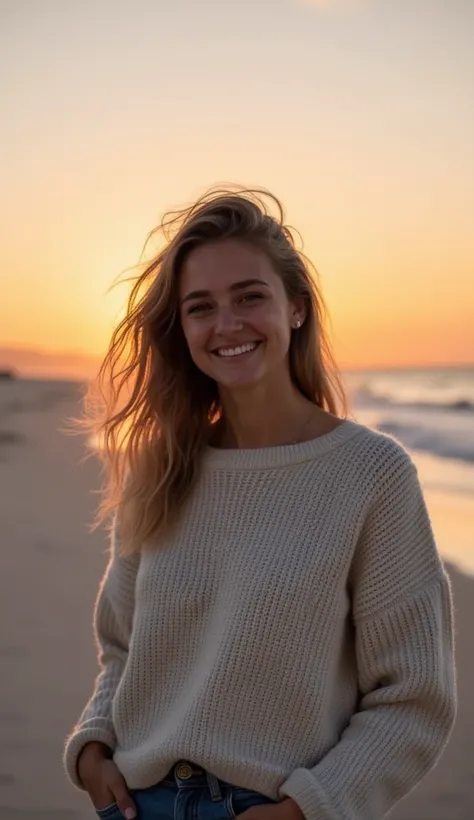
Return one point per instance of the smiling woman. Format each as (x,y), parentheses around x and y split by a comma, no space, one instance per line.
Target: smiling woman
(229,275)
(275,624)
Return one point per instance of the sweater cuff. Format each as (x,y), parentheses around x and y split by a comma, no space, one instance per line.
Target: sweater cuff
(75,745)
(305,790)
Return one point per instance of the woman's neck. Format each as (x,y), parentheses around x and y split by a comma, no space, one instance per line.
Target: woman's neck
(262,420)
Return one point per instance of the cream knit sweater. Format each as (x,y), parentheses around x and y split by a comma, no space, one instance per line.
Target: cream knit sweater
(294,636)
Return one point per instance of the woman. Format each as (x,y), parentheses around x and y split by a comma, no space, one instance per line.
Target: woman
(275,623)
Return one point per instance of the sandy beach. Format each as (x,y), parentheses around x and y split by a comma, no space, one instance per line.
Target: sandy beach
(51,566)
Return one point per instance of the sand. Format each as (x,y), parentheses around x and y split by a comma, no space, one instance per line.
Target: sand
(51,566)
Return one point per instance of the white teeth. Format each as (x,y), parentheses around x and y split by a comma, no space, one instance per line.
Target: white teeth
(236,351)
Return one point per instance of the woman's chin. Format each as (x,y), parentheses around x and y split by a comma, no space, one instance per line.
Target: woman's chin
(238,381)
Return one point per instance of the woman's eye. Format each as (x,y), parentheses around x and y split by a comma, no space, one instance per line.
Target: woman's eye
(198,308)
(250,297)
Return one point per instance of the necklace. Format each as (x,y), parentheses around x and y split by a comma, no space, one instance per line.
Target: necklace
(297,440)
(288,443)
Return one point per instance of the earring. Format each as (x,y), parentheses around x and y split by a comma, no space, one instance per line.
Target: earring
(297,323)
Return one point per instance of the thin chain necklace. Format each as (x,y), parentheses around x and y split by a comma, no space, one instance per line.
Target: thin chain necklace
(298,439)
(303,428)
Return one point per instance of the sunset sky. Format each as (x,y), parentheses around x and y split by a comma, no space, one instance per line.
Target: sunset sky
(358,114)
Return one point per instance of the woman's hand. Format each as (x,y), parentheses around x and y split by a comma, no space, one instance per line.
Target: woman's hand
(102,779)
(287,809)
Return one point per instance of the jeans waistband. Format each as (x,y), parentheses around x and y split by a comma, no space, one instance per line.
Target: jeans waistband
(186,774)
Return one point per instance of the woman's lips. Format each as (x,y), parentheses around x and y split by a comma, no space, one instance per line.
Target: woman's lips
(231,357)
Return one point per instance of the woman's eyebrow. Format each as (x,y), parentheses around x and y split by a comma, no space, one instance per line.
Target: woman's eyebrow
(200,294)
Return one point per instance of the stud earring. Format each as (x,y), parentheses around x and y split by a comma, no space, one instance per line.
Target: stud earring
(297,323)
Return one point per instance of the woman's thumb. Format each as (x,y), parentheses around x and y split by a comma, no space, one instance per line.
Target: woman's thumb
(123,799)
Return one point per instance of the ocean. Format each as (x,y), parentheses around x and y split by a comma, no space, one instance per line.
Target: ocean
(431,412)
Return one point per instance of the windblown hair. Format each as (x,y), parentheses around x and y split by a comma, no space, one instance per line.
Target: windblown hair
(149,406)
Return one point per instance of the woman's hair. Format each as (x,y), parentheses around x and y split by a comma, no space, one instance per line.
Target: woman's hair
(150,407)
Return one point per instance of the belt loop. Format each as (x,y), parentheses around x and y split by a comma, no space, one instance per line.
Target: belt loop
(214,786)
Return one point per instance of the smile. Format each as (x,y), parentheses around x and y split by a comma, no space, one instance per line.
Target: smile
(236,352)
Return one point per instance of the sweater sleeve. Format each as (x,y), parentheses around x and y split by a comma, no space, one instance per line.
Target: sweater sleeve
(113,616)
(404,635)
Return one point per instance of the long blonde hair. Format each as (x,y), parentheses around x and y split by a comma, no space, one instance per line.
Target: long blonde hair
(149,405)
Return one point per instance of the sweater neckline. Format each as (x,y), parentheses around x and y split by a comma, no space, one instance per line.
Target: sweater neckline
(281,455)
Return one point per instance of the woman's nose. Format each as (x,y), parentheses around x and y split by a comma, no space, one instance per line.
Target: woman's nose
(227,320)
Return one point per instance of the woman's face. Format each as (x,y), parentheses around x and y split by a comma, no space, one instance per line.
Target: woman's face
(235,313)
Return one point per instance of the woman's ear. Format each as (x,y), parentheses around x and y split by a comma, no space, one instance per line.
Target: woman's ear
(297,312)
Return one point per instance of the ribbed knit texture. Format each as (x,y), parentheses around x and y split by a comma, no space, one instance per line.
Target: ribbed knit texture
(293,636)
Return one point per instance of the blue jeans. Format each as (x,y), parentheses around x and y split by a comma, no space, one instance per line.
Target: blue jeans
(189,793)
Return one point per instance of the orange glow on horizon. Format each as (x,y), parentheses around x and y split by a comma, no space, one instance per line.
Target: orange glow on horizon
(374,164)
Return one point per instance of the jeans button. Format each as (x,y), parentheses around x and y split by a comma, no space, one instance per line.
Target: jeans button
(184,771)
